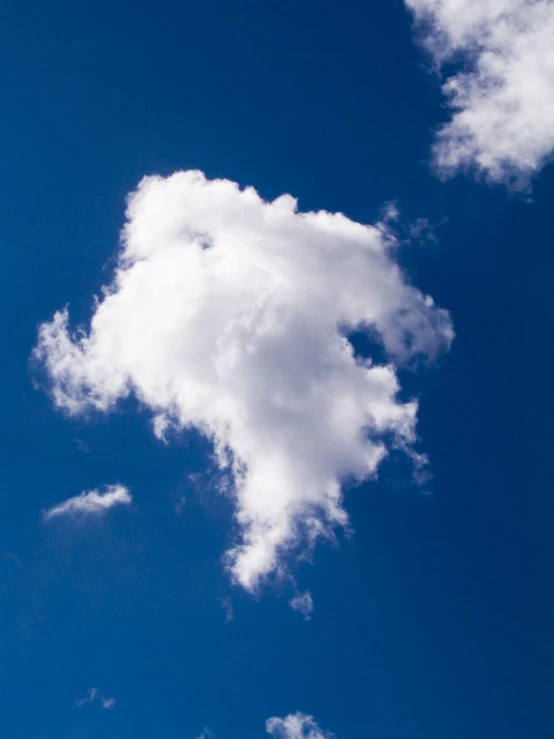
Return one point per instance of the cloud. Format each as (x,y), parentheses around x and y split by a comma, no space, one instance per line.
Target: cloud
(180,505)
(231,315)
(90,502)
(227,608)
(93,696)
(303,603)
(296,726)
(502,97)
(206,734)
(13,559)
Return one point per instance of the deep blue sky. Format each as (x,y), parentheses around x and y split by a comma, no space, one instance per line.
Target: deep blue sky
(434,619)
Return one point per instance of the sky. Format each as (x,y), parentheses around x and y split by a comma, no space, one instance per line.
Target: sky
(276,398)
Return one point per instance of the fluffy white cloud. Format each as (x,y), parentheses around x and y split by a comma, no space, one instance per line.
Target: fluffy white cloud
(231,315)
(503,97)
(90,502)
(92,696)
(296,726)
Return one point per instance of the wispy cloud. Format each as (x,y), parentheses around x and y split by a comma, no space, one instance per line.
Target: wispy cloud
(90,502)
(502,99)
(9,557)
(227,608)
(206,734)
(232,315)
(179,505)
(296,726)
(303,603)
(92,696)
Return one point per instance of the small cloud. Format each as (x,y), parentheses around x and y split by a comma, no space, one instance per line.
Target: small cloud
(92,696)
(296,726)
(206,734)
(390,211)
(90,502)
(227,608)
(423,231)
(180,505)
(9,557)
(82,446)
(303,603)
(160,425)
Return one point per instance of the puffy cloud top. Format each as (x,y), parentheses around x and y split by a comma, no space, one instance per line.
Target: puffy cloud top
(231,315)
(503,97)
(296,726)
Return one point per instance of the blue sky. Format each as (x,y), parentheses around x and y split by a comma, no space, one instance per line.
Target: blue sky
(433,608)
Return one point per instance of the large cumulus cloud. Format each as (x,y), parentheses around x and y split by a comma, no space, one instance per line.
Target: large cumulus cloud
(231,314)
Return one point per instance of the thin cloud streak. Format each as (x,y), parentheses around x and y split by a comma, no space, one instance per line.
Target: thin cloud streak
(92,696)
(91,502)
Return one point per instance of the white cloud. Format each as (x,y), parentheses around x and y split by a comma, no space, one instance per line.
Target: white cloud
(90,502)
(296,726)
(92,696)
(230,314)
(303,603)
(502,100)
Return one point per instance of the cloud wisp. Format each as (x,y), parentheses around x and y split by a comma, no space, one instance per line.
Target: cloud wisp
(296,726)
(206,734)
(502,97)
(228,610)
(92,696)
(90,502)
(303,603)
(231,315)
